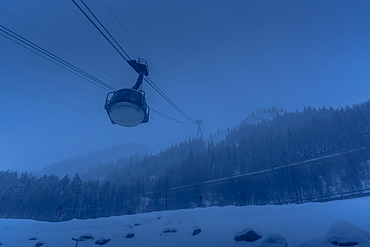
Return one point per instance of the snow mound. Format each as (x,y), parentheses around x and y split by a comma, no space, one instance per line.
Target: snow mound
(274,240)
(342,233)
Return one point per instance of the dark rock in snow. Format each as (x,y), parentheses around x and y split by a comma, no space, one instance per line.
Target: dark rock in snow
(102,241)
(344,244)
(196,231)
(85,237)
(32,238)
(39,244)
(247,235)
(130,235)
(274,240)
(170,230)
(159,217)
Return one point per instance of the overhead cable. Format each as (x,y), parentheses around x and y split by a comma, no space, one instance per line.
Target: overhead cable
(61,45)
(156,88)
(124,55)
(164,115)
(38,50)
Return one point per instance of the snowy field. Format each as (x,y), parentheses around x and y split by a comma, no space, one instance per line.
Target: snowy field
(337,223)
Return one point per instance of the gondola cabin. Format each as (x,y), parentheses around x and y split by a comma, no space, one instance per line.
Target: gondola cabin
(127,107)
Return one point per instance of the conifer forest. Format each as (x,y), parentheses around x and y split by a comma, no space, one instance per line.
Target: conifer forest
(295,157)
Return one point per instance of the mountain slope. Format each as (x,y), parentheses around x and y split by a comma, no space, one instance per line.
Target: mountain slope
(81,164)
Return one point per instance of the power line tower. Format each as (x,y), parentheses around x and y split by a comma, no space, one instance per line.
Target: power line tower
(199,132)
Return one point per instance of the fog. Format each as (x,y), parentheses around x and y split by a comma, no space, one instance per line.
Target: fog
(220,61)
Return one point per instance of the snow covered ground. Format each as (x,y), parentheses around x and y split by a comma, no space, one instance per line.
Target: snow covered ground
(337,223)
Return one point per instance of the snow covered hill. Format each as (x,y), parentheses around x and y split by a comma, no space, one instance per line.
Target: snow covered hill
(261,114)
(337,223)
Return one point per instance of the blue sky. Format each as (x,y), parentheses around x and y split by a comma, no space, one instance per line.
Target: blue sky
(221,60)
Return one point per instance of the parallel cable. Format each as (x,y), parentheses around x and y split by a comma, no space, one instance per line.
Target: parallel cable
(156,88)
(61,45)
(164,115)
(50,55)
(54,62)
(96,18)
(102,33)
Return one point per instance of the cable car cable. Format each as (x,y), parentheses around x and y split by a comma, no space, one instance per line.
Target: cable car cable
(164,115)
(155,87)
(56,58)
(101,24)
(102,33)
(39,50)
(55,62)
(60,45)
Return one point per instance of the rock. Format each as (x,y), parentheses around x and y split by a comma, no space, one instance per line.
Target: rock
(130,235)
(102,241)
(32,238)
(247,235)
(85,237)
(39,244)
(344,244)
(170,230)
(196,231)
(274,240)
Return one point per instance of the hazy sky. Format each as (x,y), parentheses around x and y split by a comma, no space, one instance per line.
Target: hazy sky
(221,60)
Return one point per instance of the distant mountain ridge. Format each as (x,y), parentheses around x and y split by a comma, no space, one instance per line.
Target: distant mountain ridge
(102,161)
(82,163)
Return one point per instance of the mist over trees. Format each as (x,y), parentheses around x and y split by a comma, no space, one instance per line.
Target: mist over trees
(293,157)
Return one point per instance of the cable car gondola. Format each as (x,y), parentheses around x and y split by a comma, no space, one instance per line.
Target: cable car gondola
(127,107)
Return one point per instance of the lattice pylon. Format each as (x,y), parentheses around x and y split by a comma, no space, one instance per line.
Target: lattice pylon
(199,132)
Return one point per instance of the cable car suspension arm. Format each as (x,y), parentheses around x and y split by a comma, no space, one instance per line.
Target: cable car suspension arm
(138,66)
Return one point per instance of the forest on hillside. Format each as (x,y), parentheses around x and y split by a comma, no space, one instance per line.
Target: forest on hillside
(293,156)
